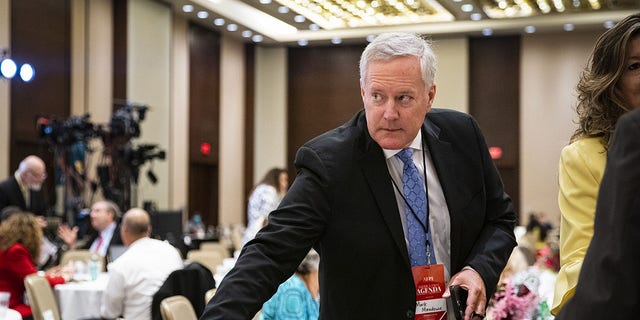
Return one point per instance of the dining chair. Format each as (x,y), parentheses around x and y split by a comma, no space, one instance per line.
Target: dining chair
(177,308)
(79,255)
(216,246)
(208,295)
(209,258)
(43,303)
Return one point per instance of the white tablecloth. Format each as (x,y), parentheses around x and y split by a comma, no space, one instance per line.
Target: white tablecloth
(79,300)
(12,315)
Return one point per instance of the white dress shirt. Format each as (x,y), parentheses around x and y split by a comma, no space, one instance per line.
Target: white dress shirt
(107,235)
(439,221)
(136,276)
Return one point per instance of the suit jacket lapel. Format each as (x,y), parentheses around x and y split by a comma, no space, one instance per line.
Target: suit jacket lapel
(374,168)
(442,155)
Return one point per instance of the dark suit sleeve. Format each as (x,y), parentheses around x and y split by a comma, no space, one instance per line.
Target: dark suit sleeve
(496,241)
(273,255)
(608,283)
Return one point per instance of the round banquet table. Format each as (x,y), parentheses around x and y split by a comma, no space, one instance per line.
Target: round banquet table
(81,299)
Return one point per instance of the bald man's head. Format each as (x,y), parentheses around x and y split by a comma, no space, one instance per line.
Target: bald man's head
(135,225)
(32,171)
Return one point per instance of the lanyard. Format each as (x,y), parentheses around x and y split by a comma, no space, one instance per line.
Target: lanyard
(425,226)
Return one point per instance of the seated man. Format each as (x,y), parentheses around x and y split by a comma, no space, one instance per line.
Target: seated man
(103,220)
(136,275)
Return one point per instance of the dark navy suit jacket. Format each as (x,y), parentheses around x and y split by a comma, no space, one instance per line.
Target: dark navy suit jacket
(342,203)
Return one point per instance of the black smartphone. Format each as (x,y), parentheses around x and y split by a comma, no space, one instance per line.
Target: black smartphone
(459,301)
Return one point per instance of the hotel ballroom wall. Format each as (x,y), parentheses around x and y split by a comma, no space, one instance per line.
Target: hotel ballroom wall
(549,67)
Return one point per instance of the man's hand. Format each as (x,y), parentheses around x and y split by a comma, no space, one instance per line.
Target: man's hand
(470,280)
(68,235)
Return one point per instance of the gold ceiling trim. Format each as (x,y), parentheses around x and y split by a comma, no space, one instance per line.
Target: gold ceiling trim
(338,14)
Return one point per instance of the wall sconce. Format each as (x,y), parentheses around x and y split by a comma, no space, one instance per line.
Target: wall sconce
(8,68)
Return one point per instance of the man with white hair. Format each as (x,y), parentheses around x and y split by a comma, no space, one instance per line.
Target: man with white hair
(24,188)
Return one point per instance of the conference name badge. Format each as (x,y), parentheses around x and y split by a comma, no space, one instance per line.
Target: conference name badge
(430,287)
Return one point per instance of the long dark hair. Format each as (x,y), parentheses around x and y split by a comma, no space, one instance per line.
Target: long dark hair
(272,177)
(600,102)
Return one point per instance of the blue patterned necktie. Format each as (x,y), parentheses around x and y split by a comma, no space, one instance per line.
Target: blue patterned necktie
(415,196)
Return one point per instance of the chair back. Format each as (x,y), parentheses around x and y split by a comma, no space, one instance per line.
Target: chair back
(177,308)
(192,282)
(43,303)
(216,246)
(208,258)
(209,294)
(80,255)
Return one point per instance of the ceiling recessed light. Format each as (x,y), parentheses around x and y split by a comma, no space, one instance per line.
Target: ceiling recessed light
(299,18)
(476,16)
(232,27)
(568,27)
(487,32)
(529,29)
(256,38)
(609,24)
(283,9)
(336,40)
(314,27)
(371,37)
(247,34)
(203,14)
(265,1)
(187,8)
(218,22)
(303,42)
(466,7)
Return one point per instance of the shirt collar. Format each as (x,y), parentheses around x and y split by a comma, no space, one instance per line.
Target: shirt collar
(415,144)
(21,184)
(109,230)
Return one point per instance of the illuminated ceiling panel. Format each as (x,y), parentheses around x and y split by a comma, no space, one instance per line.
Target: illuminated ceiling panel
(337,14)
(503,9)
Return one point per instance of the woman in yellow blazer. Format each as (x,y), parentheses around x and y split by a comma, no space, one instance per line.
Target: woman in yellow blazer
(608,88)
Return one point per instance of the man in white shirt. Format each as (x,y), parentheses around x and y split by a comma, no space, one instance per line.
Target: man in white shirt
(138,274)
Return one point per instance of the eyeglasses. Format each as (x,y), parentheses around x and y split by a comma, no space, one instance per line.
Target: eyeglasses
(41,176)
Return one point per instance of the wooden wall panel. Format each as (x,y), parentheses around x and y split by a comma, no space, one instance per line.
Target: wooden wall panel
(324,92)
(40,35)
(250,87)
(494,100)
(204,121)
(120,13)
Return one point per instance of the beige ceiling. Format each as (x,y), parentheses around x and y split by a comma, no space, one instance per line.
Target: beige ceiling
(344,21)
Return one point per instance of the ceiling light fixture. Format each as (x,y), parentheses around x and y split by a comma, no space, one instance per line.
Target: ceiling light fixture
(568,27)
(187,8)
(609,24)
(203,14)
(257,38)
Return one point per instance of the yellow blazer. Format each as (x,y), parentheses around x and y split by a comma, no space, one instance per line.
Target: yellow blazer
(580,169)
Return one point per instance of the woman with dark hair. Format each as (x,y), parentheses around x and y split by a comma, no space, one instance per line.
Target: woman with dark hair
(20,244)
(608,88)
(264,198)
(297,298)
